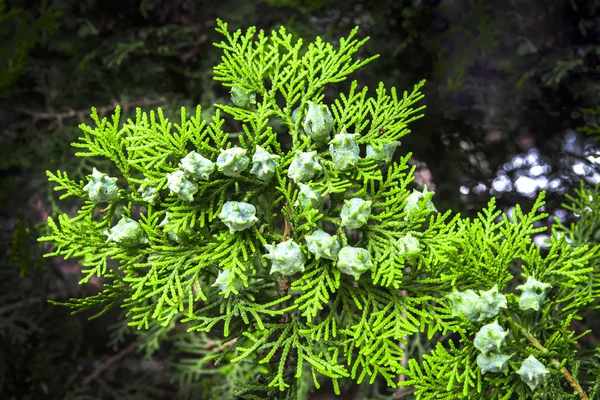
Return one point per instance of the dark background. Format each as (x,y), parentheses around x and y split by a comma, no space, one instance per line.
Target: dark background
(511,87)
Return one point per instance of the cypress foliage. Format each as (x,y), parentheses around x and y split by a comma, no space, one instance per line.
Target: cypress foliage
(215,232)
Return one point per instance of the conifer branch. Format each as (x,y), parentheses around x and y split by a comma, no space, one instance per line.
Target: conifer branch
(557,364)
(194,214)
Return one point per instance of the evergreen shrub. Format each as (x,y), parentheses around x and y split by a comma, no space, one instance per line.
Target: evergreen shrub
(303,251)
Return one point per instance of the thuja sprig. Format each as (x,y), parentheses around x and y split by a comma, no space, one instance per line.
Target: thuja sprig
(302,252)
(499,252)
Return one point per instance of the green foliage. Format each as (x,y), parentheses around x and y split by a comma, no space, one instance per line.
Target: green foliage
(21,31)
(561,65)
(584,203)
(592,128)
(498,250)
(322,322)
(27,324)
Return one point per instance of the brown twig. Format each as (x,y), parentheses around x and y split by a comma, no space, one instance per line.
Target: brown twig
(404,362)
(82,114)
(15,306)
(287,230)
(63,392)
(110,361)
(24,303)
(567,375)
(216,347)
(402,395)
(284,283)
(565,372)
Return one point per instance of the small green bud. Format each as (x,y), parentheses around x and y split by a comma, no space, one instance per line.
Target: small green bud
(476,308)
(354,261)
(412,203)
(196,166)
(295,114)
(493,362)
(318,122)
(490,338)
(242,98)
(355,213)
(101,187)
(238,215)
(127,233)
(409,247)
(533,372)
(308,196)
(264,164)
(184,188)
(180,237)
(344,151)
(382,152)
(304,166)
(465,304)
(233,161)
(490,302)
(224,281)
(149,193)
(286,258)
(534,293)
(323,245)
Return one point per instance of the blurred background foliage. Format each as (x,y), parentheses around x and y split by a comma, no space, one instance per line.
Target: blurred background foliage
(513,108)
